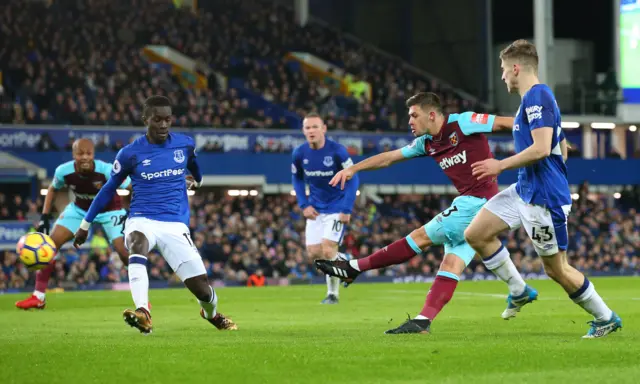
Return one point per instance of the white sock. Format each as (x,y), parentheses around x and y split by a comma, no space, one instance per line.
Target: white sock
(501,265)
(590,301)
(354,264)
(209,307)
(421,317)
(333,283)
(139,281)
(39,295)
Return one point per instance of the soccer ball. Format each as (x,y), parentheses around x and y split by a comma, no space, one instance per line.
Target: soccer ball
(36,250)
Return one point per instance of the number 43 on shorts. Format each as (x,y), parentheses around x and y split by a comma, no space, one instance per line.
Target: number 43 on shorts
(541,234)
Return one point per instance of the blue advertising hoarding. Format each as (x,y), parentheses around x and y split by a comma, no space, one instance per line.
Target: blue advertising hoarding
(276,167)
(52,138)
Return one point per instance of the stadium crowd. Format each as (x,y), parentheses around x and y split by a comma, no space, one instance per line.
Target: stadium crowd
(243,240)
(80,63)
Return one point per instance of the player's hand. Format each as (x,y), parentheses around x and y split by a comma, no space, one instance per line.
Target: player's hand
(44,226)
(191,182)
(344,218)
(310,213)
(342,177)
(486,168)
(81,237)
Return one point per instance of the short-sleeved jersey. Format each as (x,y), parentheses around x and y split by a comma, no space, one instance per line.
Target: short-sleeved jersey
(544,183)
(316,167)
(158,173)
(84,186)
(460,143)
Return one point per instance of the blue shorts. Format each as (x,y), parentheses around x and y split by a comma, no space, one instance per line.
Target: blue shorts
(112,222)
(448,227)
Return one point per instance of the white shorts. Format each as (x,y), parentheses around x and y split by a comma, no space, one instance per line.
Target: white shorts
(547,228)
(174,243)
(325,226)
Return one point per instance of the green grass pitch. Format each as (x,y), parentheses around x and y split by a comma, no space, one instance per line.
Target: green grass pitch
(287,336)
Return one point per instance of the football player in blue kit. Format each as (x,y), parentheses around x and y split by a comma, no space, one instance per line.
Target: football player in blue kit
(157,164)
(327,209)
(540,201)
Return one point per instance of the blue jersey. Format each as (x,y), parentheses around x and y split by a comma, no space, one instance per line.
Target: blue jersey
(317,167)
(157,174)
(545,182)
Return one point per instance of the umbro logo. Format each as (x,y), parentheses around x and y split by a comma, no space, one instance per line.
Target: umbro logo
(146,162)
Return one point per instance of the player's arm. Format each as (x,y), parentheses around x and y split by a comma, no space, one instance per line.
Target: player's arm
(564,148)
(503,123)
(121,169)
(541,121)
(541,148)
(540,113)
(297,179)
(471,123)
(194,168)
(351,189)
(381,160)
(44,226)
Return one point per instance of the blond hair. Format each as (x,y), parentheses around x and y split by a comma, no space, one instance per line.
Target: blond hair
(521,51)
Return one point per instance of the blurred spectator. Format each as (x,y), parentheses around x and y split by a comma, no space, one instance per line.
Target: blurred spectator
(89,69)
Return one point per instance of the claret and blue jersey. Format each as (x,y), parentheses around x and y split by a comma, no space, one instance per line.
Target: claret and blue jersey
(85,186)
(545,182)
(317,167)
(460,143)
(157,174)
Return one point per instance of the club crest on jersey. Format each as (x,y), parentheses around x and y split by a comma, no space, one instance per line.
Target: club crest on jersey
(97,184)
(178,156)
(453,138)
(328,161)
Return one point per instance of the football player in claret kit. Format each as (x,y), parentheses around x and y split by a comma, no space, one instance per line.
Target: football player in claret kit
(327,209)
(541,199)
(455,141)
(159,213)
(84,176)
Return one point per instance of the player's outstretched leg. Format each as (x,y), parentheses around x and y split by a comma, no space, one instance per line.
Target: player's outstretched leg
(206,295)
(60,236)
(397,252)
(583,293)
(482,235)
(438,296)
(139,318)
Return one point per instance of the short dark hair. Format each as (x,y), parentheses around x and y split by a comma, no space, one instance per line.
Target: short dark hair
(152,102)
(523,52)
(424,100)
